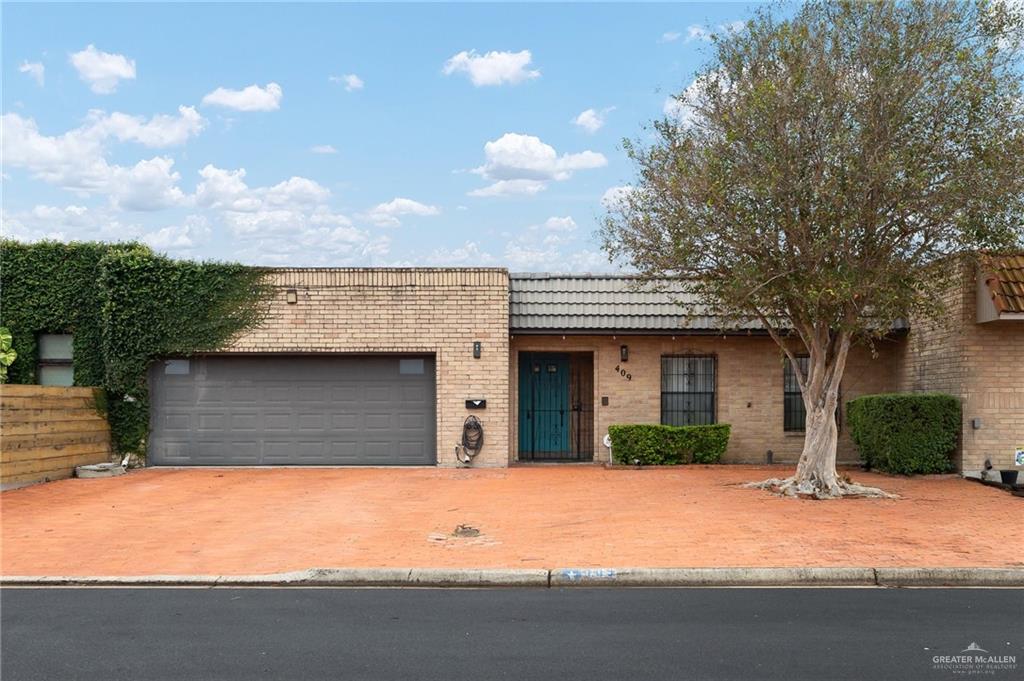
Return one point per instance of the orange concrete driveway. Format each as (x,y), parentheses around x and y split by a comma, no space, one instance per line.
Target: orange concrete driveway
(248,521)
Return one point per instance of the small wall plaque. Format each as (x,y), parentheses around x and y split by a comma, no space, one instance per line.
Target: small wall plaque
(476,404)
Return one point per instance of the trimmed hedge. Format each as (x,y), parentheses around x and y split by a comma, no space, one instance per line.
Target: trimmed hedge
(905,433)
(656,445)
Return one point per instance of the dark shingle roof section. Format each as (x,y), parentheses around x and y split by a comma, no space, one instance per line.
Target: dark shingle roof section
(603,303)
(1004,276)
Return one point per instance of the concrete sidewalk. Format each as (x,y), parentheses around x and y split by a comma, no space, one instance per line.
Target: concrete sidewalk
(232,522)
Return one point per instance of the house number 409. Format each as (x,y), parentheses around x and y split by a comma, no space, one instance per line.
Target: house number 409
(622,372)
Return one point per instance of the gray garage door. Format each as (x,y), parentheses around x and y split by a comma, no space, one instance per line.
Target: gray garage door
(297,410)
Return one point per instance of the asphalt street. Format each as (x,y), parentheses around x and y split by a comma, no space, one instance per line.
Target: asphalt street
(445,634)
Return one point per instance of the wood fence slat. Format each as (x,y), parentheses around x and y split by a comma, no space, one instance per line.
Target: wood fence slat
(47,465)
(43,427)
(45,431)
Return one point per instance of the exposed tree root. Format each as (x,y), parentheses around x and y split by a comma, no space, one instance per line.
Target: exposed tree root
(814,489)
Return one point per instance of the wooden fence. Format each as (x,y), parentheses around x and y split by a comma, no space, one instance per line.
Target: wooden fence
(46,431)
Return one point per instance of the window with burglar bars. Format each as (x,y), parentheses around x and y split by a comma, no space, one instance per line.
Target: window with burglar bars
(794,416)
(687,390)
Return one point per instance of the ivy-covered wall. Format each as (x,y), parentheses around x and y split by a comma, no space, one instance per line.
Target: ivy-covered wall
(125,306)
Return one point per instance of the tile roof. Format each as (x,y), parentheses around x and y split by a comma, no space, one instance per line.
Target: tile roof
(1004,276)
(593,303)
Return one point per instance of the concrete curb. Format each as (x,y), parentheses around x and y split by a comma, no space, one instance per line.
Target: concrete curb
(950,576)
(590,577)
(402,577)
(564,577)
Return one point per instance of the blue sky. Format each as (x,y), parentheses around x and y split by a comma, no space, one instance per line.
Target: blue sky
(337,135)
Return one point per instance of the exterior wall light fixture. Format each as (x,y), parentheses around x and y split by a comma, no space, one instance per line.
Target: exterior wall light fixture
(624,353)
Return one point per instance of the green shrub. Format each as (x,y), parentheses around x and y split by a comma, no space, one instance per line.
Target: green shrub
(905,433)
(655,445)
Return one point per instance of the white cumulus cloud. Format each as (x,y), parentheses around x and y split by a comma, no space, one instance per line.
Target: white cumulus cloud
(194,231)
(680,108)
(468,254)
(76,160)
(35,70)
(592,120)
(492,68)
(670,37)
(103,71)
(148,185)
(389,214)
(615,197)
(227,190)
(323,149)
(159,131)
(510,188)
(250,98)
(286,223)
(523,164)
(563,224)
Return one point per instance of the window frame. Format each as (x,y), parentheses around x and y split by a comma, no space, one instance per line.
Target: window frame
(714,389)
(787,393)
(787,372)
(42,362)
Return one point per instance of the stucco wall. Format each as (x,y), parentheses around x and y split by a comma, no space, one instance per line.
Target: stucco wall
(439,311)
(749,386)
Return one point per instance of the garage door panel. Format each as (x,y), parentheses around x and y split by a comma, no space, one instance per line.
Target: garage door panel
(311,421)
(245,453)
(411,422)
(347,393)
(278,394)
(266,410)
(413,394)
(243,423)
(379,451)
(212,421)
(179,422)
(344,422)
(179,394)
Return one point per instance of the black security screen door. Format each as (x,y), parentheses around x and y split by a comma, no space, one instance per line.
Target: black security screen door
(556,406)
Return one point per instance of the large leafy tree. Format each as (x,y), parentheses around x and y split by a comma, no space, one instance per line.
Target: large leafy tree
(821,172)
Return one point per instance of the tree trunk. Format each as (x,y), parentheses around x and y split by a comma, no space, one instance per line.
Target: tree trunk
(816,476)
(816,471)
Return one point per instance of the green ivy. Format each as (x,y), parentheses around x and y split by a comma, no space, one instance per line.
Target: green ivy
(905,433)
(655,445)
(125,306)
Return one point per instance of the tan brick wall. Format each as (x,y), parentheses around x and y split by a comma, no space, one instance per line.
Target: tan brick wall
(749,386)
(45,431)
(439,311)
(983,364)
(993,392)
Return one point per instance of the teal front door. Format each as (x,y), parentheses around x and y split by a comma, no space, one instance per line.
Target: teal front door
(544,413)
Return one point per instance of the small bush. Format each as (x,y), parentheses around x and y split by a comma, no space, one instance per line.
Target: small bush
(905,433)
(656,445)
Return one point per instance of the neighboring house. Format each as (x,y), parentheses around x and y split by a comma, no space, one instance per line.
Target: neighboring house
(383,366)
(977,355)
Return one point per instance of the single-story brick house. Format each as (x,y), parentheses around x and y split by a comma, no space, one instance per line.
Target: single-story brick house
(383,367)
